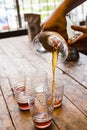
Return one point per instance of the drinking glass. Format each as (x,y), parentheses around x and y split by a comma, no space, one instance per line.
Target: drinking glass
(21,91)
(40,100)
(58,92)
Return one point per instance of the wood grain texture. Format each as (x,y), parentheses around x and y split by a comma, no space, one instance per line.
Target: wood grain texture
(17,56)
(5,121)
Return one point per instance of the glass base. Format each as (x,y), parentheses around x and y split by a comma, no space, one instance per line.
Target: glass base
(42,125)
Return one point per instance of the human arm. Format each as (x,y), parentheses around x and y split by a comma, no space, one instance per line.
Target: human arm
(57,20)
(80,42)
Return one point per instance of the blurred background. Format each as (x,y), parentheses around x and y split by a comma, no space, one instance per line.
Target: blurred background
(12,13)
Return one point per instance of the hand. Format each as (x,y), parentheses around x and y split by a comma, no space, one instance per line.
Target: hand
(56,23)
(80,42)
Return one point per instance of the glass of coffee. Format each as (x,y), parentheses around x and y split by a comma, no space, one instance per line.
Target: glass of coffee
(41,100)
(58,95)
(58,91)
(21,92)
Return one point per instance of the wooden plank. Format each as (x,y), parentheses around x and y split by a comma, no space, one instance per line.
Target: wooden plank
(77,70)
(5,121)
(16,50)
(68,117)
(11,67)
(7,128)
(76,93)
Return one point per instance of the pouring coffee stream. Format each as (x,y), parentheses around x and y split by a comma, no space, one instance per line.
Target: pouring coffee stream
(52,42)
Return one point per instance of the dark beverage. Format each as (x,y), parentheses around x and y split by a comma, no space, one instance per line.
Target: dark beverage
(57,103)
(42,120)
(23,106)
(43,124)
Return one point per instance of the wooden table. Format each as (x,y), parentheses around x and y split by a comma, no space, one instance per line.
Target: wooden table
(16,54)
